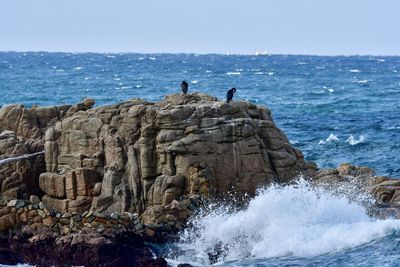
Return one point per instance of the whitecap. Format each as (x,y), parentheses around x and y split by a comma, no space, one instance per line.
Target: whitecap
(195,81)
(361,81)
(320,67)
(331,138)
(152,58)
(270,73)
(233,73)
(355,71)
(78,68)
(330,90)
(258,73)
(354,141)
(380,60)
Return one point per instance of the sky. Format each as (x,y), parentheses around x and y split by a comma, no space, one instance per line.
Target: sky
(313,27)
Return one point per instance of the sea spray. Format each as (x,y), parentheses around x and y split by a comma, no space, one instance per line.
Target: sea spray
(298,220)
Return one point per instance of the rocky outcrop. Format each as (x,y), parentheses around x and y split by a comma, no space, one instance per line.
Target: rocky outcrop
(133,168)
(139,155)
(31,123)
(21,132)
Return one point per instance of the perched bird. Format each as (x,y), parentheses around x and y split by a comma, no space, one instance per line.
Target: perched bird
(184,87)
(229,94)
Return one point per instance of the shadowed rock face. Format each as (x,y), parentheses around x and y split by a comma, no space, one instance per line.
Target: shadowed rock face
(136,155)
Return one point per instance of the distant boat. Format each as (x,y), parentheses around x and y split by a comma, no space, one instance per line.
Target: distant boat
(261,53)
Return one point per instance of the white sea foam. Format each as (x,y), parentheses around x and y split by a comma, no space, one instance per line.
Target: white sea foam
(355,71)
(195,81)
(296,220)
(233,73)
(354,141)
(361,81)
(270,73)
(331,138)
(78,68)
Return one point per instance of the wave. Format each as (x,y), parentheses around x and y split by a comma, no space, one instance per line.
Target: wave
(361,81)
(233,73)
(297,220)
(354,141)
(331,138)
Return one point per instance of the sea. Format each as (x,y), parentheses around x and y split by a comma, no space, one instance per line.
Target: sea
(335,109)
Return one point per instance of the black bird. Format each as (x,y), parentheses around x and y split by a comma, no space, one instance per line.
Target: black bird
(229,94)
(184,87)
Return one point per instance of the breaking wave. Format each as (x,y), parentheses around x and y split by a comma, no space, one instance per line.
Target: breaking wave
(296,220)
(331,138)
(351,140)
(354,141)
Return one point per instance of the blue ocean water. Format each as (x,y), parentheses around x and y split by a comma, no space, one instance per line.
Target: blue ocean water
(335,109)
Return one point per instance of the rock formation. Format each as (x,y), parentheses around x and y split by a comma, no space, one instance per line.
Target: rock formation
(21,132)
(139,155)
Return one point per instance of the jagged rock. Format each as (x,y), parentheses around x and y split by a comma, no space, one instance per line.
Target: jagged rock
(29,123)
(22,131)
(147,154)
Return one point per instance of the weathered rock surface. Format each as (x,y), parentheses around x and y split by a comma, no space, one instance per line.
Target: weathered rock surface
(146,155)
(19,179)
(21,132)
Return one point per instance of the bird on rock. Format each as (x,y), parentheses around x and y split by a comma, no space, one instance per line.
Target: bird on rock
(184,87)
(229,95)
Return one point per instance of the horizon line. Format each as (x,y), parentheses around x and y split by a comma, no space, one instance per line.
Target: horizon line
(256,53)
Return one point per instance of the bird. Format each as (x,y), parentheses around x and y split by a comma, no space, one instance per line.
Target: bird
(229,94)
(184,87)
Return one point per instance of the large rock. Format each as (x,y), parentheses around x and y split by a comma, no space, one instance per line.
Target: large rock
(22,132)
(149,154)
(52,184)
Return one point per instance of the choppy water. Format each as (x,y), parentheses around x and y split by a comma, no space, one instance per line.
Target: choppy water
(335,109)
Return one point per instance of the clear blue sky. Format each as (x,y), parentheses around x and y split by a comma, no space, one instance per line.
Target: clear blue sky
(322,27)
